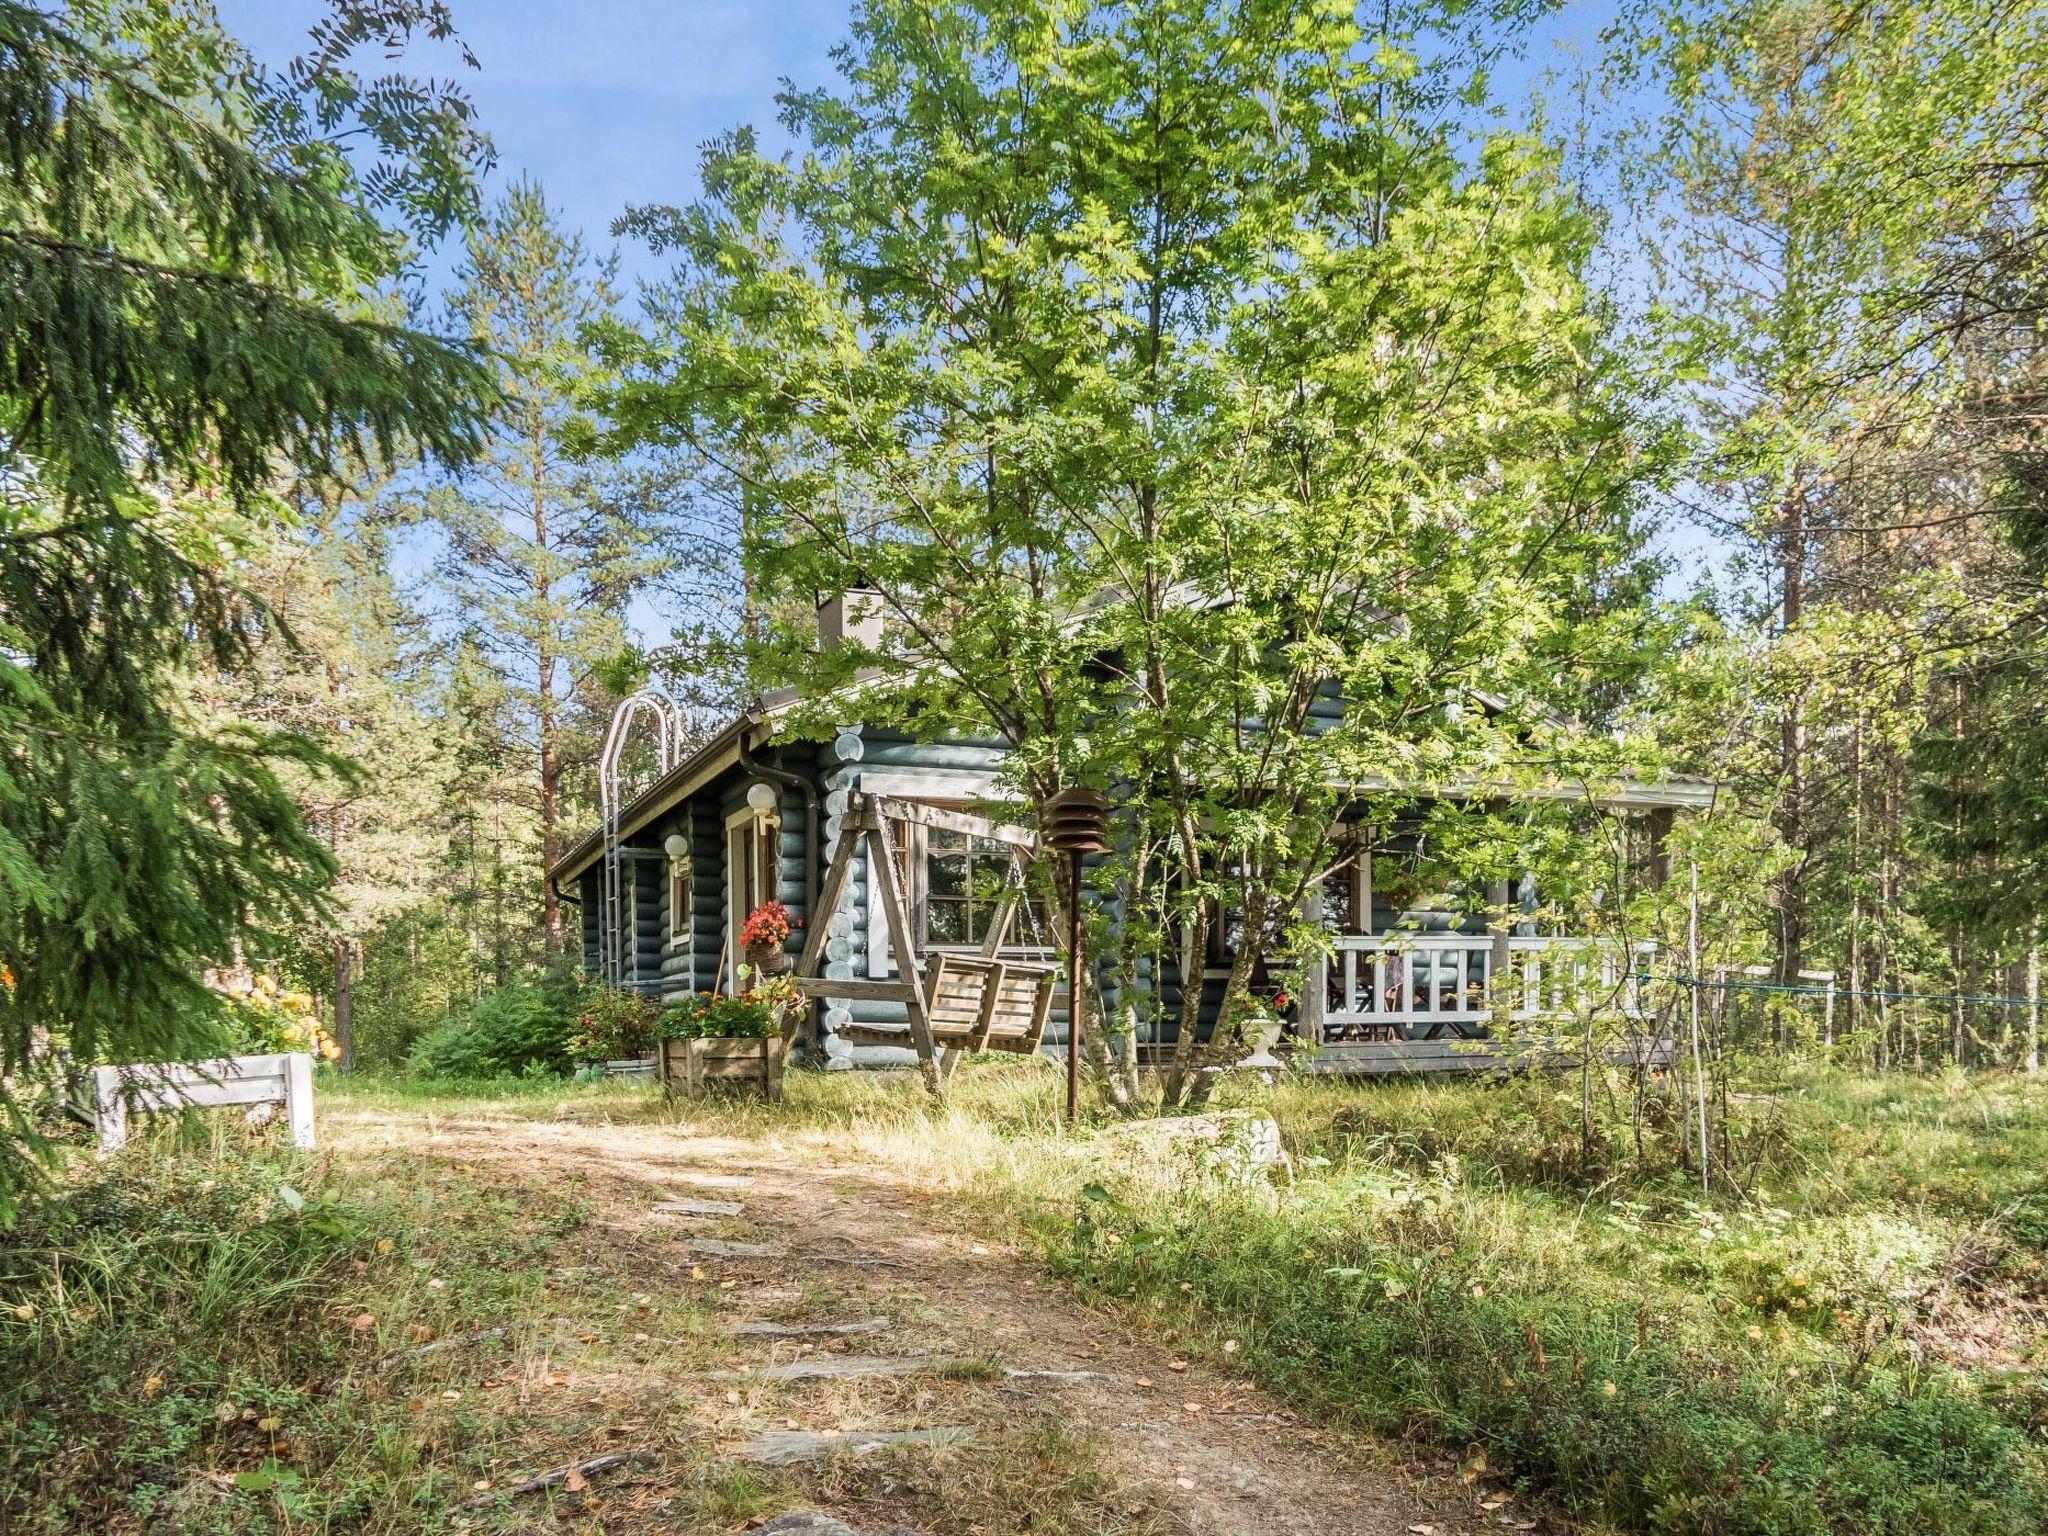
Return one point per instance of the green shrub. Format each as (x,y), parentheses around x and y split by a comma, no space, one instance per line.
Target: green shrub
(615,1024)
(521,1030)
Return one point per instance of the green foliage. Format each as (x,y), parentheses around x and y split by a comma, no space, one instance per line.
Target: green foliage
(1845,203)
(524,1029)
(1219,343)
(549,545)
(182,270)
(1805,1364)
(616,1024)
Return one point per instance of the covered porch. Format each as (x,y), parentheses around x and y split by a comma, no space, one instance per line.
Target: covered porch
(1418,987)
(1427,973)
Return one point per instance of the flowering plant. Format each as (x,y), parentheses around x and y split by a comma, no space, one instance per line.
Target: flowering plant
(708,1016)
(270,1018)
(766,927)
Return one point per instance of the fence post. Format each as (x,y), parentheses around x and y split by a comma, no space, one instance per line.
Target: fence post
(2034,1003)
(110,1110)
(298,1097)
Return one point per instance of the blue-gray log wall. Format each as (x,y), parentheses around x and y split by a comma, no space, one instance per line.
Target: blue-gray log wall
(847,763)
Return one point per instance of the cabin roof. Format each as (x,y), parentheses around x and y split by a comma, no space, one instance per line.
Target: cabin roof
(750,728)
(755,727)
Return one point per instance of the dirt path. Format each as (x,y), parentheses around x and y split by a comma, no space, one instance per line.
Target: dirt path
(977,1340)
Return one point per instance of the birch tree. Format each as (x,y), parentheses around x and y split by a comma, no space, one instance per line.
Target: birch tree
(1165,365)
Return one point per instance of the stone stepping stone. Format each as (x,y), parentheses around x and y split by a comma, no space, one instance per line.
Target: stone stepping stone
(714,1248)
(699,1208)
(841,1368)
(806,1524)
(811,1523)
(712,1180)
(1016,1373)
(767,1330)
(783,1447)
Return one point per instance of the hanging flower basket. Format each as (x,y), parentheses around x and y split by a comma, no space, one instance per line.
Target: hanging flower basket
(762,936)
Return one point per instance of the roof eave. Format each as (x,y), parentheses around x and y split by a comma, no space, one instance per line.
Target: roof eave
(1618,794)
(679,783)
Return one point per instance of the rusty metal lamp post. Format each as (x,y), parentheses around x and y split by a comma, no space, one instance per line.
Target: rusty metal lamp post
(1076,823)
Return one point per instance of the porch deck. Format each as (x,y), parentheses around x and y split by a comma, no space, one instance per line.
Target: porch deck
(1402,1003)
(1424,987)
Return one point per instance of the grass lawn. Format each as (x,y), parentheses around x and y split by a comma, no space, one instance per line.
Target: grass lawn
(212,1333)
(1853,1344)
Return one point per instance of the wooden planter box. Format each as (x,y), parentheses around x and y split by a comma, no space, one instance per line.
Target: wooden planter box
(688,1066)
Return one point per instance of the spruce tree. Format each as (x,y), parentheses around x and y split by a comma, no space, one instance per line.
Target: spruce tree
(184,250)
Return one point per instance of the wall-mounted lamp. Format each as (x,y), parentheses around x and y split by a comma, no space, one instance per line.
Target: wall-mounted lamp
(676,846)
(762,798)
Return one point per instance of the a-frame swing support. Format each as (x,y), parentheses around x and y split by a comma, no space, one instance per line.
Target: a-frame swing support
(952,1003)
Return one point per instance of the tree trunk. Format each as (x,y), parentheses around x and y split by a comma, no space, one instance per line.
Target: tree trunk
(344,1002)
(1792,808)
(1182,1063)
(2034,998)
(1195,1090)
(550,828)
(545,723)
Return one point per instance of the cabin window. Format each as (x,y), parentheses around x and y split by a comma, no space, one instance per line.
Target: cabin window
(957,886)
(964,881)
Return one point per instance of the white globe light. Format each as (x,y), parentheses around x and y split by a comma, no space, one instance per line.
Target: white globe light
(761,796)
(675,845)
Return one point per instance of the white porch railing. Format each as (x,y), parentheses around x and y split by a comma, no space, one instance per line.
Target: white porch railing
(1420,986)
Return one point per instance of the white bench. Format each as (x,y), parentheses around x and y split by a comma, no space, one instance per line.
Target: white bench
(285,1079)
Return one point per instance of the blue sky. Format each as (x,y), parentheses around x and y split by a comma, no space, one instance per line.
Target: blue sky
(607,101)
(604,101)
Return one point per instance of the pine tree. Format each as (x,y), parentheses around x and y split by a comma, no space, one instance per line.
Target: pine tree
(353,666)
(548,548)
(181,257)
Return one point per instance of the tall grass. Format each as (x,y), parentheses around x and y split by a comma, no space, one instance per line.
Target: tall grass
(197,1335)
(1850,1342)
(1848,1339)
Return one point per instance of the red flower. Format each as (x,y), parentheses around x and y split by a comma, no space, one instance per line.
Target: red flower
(767,925)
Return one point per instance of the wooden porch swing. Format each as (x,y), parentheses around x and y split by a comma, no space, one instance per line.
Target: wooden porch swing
(953,1003)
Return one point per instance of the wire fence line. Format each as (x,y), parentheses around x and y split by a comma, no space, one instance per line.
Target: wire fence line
(1821,989)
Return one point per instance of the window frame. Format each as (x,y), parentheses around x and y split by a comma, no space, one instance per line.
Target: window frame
(750,842)
(916,852)
(682,896)
(930,844)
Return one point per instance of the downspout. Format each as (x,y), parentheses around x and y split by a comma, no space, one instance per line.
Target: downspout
(804,787)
